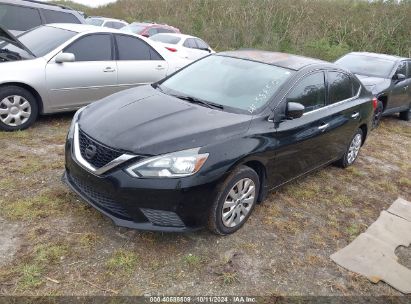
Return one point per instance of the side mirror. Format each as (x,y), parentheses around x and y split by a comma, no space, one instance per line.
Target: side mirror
(65,57)
(294,110)
(399,77)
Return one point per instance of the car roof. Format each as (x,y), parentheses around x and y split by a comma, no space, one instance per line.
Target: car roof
(39,4)
(293,62)
(377,55)
(81,28)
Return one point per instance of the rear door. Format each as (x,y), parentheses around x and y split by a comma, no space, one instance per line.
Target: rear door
(343,111)
(92,76)
(137,62)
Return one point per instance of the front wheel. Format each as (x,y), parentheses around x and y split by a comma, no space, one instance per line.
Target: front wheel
(18,108)
(352,151)
(235,201)
(406,115)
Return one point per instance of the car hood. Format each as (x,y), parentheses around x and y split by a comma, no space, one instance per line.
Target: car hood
(6,36)
(145,121)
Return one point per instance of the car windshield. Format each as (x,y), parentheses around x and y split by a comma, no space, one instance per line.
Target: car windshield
(367,65)
(170,39)
(133,28)
(230,82)
(40,41)
(94,21)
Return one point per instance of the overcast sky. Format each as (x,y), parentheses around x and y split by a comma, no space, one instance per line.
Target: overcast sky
(93,3)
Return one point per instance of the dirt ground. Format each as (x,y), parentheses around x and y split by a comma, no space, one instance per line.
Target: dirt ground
(53,244)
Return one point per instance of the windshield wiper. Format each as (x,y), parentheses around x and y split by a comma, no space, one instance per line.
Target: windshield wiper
(199,101)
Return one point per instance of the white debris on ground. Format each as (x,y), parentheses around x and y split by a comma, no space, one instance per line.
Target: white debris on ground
(372,253)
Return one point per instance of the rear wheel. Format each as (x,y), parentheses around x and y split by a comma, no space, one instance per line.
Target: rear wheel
(235,201)
(377,114)
(352,151)
(18,108)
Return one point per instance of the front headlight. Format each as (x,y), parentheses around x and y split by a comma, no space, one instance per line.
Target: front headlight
(177,164)
(73,122)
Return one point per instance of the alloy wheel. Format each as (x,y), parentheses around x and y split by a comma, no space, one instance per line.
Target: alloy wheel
(238,203)
(354,148)
(15,110)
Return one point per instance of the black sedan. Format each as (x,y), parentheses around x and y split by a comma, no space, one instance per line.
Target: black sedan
(387,77)
(205,145)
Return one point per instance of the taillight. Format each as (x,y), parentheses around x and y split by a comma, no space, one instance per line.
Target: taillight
(374,103)
(171,49)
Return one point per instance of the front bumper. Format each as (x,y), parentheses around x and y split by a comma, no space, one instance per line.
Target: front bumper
(146,204)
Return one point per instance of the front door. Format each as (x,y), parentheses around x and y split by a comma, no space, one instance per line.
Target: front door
(92,76)
(299,143)
(400,97)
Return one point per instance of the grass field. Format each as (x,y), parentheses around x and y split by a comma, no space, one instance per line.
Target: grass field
(53,244)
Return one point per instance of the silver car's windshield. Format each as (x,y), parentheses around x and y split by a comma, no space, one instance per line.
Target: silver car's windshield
(229,82)
(367,65)
(40,41)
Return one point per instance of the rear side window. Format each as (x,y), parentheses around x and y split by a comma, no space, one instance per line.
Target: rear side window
(59,17)
(19,18)
(310,92)
(340,87)
(131,48)
(96,47)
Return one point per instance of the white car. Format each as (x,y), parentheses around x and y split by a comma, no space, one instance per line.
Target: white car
(106,22)
(184,46)
(62,67)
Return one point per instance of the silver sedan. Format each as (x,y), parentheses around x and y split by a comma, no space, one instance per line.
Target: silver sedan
(62,67)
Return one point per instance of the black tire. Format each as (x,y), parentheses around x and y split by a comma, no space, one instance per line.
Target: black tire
(377,114)
(346,160)
(26,122)
(405,115)
(215,219)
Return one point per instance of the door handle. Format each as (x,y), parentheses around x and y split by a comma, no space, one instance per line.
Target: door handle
(109,70)
(323,127)
(159,67)
(355,115)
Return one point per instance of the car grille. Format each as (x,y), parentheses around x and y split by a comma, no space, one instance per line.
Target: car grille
(163,218)
(103,155)
(103,201)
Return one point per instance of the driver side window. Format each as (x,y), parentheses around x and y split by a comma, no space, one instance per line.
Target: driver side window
(310,92)
(402,68)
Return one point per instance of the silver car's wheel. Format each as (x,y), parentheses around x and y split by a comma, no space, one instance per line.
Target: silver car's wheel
(354,148)
(15,110)
(238,203)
